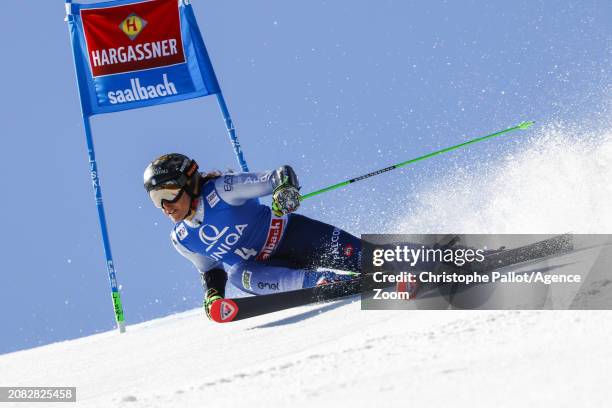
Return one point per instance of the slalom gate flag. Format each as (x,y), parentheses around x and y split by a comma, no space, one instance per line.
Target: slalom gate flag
(130,54)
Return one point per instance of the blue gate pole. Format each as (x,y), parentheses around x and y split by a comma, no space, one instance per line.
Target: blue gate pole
(229,125)
(110,267)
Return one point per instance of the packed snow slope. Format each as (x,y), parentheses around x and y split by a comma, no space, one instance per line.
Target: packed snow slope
(337,355)
(342,357)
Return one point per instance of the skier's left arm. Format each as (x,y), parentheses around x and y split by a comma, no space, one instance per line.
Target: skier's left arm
(282,183)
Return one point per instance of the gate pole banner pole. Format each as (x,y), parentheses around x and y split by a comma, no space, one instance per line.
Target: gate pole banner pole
(229,125)
(130,54)
(95,180)
(110,266)
(198,41)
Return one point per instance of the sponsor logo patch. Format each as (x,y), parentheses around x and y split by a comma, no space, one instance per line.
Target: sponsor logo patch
(246,279)
(133,37)
(157,171)
(274,235)
(213,199)
(140,92)
(218,241)
(182,232)
(257,179)
(227,310)
(133,25)
(228,182)
(335,241)
(268,285)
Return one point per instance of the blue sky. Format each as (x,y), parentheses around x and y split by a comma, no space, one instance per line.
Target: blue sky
(335,89)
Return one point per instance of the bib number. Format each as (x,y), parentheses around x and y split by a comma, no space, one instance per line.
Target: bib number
(245,253)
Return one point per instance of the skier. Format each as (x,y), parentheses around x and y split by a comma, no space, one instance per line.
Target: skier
(220,226)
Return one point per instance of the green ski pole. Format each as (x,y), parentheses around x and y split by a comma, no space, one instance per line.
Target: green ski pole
(522,125)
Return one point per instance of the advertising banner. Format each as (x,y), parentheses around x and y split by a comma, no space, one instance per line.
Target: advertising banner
(132,54)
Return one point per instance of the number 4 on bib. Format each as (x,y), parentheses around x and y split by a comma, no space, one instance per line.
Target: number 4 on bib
(245,253)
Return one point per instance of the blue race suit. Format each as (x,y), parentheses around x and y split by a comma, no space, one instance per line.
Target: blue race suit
(230,230)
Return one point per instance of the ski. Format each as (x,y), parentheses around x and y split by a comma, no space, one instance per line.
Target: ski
(229,310)
(497,259)
(541,249)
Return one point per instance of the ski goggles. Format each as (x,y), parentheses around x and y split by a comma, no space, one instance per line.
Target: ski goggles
(166,194)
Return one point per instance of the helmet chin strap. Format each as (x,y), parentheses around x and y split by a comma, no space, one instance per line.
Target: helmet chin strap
(193,193)
(193,203)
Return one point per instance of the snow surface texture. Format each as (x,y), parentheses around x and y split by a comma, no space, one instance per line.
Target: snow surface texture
(337,355)
(342,357)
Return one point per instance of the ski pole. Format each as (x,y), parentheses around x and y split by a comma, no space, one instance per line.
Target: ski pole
(522,125)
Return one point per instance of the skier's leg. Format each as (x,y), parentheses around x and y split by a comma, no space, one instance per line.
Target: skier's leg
(308,244)
(262,279)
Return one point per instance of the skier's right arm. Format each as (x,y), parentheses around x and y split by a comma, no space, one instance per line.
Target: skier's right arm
(214,280)
(212,274)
